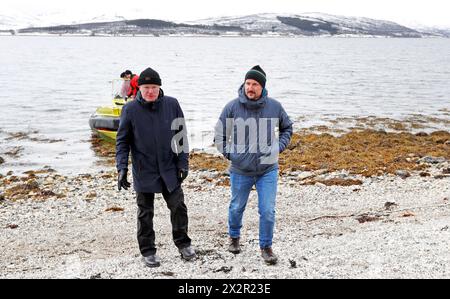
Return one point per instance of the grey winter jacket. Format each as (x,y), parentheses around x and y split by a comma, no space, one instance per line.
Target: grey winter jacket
(246,133)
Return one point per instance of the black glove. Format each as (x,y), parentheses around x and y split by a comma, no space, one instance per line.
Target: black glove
(182,174)
(122,181)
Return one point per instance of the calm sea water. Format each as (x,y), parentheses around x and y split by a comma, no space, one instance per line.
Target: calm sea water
(51,85)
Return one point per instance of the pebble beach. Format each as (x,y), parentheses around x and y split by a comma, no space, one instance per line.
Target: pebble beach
(387,226)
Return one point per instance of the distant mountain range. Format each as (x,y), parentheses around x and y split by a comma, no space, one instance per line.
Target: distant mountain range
(310,24)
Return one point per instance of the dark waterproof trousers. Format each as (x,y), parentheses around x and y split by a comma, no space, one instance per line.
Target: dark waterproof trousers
(178,218)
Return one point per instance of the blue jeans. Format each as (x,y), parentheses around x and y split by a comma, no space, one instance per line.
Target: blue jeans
(266,186)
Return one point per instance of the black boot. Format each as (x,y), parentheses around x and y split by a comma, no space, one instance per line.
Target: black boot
(234,246)
(152,261)
(268,256)
(187,253)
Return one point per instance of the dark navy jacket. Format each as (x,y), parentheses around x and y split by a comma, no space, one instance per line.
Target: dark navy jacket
(256,154)
(145,129)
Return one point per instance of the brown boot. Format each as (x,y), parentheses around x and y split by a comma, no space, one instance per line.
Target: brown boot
(269,257)
(234,246)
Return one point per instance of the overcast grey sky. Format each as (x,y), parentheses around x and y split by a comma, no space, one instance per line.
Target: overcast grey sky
(429,12)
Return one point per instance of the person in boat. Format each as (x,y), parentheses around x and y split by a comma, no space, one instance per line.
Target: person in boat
(152,127)
(125,90)
(130,83)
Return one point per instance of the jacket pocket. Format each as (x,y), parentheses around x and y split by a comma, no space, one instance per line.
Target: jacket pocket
(244,162)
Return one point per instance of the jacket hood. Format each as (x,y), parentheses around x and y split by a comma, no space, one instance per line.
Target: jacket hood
(150,105)
(250,104)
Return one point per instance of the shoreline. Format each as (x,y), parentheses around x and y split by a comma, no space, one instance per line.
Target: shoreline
(21,150)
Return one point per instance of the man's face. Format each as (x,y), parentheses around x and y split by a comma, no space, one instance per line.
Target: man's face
(150,92)
(253,89)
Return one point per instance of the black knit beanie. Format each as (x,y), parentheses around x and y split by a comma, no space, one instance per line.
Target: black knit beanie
(149,76)
(256,73)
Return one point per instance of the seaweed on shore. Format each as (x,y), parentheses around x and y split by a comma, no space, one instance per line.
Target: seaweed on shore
(364,152)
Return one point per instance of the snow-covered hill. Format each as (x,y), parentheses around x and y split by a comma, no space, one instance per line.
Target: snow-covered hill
(316,24)
(306,24)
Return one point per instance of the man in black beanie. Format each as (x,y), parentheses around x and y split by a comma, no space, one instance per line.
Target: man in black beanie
(245,135)
(160,157)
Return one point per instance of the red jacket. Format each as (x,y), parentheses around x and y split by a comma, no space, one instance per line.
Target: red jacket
(134,87)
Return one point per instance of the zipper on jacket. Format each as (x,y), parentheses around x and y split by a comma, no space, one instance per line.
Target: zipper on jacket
(257,116)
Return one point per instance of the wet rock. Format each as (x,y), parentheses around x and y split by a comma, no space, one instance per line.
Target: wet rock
(293,173)
(18,136)
(31,185)
(44,170)
(91,195)
(422,134)
(13,179)
(424,174)
(224,269)
(432,160)
(47,193)
(304,175)
(367,218)
(114,209)
(320,172)
(2,197)
(107,176)
(12,226)
(390,205)
(446,170)
(403,174)
(45,140)
(14,152)
(2,160)
(224,182)
(9,172)
(293,263)
(408,214)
